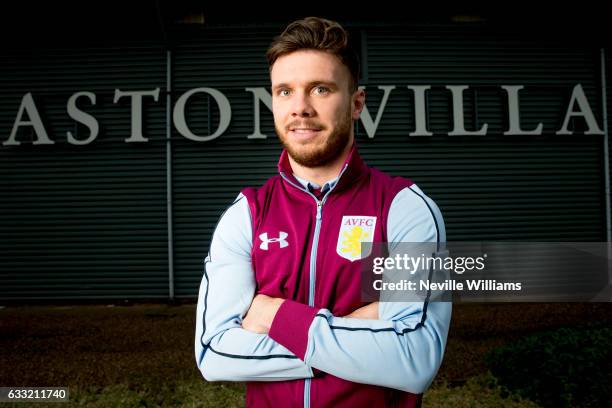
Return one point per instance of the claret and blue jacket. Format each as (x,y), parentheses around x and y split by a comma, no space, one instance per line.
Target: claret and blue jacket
(301,242)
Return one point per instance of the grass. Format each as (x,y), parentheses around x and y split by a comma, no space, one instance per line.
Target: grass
(480,391)
(142,355)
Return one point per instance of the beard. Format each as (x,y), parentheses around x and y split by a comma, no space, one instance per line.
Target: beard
(315,153)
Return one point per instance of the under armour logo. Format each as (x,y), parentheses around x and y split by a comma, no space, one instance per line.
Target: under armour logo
(281,240)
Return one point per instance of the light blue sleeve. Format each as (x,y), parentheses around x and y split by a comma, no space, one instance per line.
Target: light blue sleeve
(224,351)
(404,348)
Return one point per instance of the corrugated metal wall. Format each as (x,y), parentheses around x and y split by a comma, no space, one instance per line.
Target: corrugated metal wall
(208,176)
(90,221)
(545,188)
(83,221)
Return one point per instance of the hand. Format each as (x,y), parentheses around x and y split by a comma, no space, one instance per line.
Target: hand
(369,311)
(260,315)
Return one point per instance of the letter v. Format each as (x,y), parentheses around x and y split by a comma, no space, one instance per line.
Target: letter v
(370,126)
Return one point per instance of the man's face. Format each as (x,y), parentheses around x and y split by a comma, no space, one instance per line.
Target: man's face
(313,107)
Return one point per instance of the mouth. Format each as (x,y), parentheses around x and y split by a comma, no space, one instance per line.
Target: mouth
(304,133)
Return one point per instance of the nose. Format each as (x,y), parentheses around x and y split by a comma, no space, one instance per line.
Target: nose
(302,106)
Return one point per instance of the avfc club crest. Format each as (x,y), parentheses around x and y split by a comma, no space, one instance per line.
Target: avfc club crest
(355,230)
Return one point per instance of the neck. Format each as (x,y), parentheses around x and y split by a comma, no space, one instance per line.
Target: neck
(322,174)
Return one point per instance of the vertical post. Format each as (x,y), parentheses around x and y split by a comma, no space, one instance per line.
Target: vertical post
(606,161)
(169,176)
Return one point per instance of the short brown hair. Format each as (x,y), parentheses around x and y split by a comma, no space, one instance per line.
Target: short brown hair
(314,33)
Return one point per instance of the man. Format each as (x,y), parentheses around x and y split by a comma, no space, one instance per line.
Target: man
(280,301)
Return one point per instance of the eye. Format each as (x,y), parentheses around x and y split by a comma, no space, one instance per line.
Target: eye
(320,90)
(282,92)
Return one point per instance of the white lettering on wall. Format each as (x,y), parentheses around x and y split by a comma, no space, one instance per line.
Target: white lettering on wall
(366,119)
(584,110)
(514,113)
(259,95)
(225,114)
(459,127)
(28,114)
(28,106)
(420,116)
(136,99)
(82,117)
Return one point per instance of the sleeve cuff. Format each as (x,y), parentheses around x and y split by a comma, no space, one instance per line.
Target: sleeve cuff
(290,326)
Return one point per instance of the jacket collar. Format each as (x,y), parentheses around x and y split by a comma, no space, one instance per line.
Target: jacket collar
(352,170)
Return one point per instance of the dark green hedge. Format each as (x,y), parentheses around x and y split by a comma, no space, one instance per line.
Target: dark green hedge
(566,367)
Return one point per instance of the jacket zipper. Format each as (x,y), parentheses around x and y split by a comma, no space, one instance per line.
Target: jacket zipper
(313,258)
(313,271)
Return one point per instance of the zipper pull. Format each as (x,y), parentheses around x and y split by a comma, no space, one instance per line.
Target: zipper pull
(319,206)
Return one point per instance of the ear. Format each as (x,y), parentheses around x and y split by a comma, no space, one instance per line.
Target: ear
(358,103)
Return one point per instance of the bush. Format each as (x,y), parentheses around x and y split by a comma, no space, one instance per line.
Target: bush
(565,367)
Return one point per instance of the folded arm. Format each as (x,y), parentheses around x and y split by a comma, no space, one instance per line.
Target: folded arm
(403,348)
(225,351)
